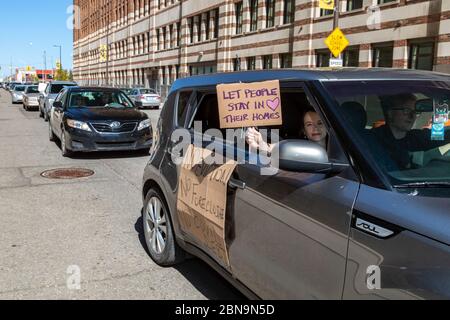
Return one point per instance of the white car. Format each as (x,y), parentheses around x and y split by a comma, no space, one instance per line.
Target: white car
(30,97)
(17,94)
(148,97)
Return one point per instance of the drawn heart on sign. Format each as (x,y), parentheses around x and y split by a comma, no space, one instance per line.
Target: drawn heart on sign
(273,104)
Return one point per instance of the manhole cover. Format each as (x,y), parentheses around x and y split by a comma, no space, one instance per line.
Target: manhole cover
(73,173)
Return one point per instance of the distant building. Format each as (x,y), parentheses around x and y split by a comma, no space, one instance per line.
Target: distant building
(154,42)
(45,75)
(25,75)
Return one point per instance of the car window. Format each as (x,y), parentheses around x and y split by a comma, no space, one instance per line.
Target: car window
(19,88)
(148,91)
(99,99)
(32,89)
(295,105)
(56,88)
(395,123)
(182,107)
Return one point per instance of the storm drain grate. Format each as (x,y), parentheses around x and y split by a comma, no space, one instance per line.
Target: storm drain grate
(72,173)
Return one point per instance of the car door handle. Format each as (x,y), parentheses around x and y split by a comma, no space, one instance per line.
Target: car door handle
(236,184)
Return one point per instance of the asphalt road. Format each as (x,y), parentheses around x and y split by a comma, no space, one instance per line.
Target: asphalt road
(52,231)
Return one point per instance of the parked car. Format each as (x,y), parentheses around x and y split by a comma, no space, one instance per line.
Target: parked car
(350,221)
(98,119)
(30,97)
(148,97)
(47,97)
(12,85)
(17,93)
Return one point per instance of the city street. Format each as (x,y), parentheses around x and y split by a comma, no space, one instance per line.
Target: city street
(49,226)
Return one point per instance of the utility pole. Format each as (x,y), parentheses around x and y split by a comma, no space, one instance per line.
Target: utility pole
(337,9)
(45,66)
(108,13)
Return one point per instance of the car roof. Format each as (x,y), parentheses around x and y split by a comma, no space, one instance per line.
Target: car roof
(324,74)
(103,89)
(62,82)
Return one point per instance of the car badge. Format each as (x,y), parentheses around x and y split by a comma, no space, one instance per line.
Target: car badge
(115,125)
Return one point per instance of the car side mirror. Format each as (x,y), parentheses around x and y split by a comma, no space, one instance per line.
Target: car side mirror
(425,105)
(58,105)
(305,156)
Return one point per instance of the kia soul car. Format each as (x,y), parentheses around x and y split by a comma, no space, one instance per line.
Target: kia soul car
(366,217)
(98,119)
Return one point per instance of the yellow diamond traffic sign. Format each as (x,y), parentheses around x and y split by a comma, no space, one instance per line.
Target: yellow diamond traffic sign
(337,42)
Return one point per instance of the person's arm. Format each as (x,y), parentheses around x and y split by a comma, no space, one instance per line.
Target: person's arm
(255,141)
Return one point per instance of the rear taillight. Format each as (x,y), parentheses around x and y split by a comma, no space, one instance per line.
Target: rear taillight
(142,97)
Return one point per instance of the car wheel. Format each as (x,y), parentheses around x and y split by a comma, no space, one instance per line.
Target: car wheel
(51,134)
(158,231)
(65,152)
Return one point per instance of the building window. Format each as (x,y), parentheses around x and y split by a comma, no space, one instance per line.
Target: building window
(289,11)
(237,64)
(324,12)
(208,18)
(251,63)
(158,40)
(351,57)
(421,56)
(216,24)
(191,29)
(253,15)
(164,38)
(270,13)
(383,56)
(385,1)
(286,60)
(239,16)
(267,62)
(322,58)
(178,34)
(354,4)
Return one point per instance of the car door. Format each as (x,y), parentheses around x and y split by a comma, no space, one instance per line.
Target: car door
(56,115)
(290,230)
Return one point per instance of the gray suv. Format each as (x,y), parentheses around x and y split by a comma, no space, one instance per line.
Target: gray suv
(364,216)
(49,95)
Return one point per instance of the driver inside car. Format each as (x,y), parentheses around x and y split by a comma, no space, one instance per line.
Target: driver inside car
(399,138)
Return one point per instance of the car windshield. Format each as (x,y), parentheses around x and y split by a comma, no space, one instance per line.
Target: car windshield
(147,91)
(99,99)
(56,88)
(403,125)
(127,91)
(19,88)
(33,89)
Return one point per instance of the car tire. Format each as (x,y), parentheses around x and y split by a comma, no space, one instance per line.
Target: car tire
(159,235)
(51,134)
(64,151)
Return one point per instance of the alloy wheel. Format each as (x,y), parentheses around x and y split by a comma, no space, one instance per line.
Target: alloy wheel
(155,225)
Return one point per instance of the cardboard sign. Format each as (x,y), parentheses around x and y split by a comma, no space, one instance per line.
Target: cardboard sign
(202,201)
(249,104)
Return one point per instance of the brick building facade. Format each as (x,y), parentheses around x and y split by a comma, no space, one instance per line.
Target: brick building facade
(154,42)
